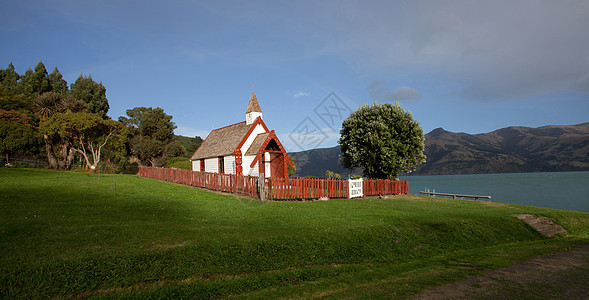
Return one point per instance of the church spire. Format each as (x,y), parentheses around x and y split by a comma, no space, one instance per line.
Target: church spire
(253,106)
(253,110)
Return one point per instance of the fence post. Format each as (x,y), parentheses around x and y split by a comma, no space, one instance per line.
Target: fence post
(262,184)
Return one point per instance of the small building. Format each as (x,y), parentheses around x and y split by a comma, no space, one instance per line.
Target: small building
(244,148)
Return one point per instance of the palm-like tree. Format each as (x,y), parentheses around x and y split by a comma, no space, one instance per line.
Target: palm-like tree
(48,103)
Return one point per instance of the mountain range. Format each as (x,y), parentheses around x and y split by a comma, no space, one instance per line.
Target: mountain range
(506,150)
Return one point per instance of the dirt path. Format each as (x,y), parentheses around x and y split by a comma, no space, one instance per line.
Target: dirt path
(563,275)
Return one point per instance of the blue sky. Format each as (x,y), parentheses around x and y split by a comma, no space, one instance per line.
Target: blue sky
(465,66)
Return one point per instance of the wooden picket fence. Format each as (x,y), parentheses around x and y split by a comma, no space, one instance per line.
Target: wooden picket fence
(288,188)
(305,188)
(372,187)
(231,183)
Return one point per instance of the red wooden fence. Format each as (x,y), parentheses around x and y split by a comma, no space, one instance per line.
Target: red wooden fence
(371,187)
(230,183)
(305,188)
(276,188)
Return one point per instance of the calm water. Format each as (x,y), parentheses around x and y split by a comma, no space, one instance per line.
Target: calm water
(562,190)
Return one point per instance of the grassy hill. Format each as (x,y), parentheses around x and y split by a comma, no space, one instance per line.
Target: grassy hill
(189,143)
(67,234)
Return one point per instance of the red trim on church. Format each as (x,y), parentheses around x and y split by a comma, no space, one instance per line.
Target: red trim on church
(262,150)
(258,121)
(238,162)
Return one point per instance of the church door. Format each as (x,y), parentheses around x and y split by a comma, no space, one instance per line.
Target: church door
(276,165)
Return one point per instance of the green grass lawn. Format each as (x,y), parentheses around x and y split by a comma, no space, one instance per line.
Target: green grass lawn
(65,234)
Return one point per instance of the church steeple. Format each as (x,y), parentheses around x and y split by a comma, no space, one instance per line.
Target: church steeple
(253,110)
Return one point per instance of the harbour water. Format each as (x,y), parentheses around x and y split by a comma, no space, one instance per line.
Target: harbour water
(561,190)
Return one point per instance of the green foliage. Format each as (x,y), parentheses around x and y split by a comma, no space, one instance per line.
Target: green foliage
(92,93)
(291,170)
(9,79)
(384,140)
(16,117)
(71,235)
(48,104)
(190,144)
(152,135)
(58,84)
(180,163)
(40,95)
(14,101)
(329,174)
(84,133)
(19,138)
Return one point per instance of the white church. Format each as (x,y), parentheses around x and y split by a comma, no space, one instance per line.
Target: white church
(244,148)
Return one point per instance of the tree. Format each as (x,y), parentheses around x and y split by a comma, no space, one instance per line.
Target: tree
(57,148)
(329,174)
(58,84)
(291,170)
(16,117)
(93,93)
(83,133)
(17,134)
(384,140)
(35,83)
(48,104)
(152,135)
(9,78)
(10,100)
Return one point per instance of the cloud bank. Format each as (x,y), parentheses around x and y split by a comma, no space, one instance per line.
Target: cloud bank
(380,92)
(496,49)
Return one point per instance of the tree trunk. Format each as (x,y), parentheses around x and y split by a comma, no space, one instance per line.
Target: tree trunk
(50,155)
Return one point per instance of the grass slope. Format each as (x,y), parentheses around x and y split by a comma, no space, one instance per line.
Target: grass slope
(68,234)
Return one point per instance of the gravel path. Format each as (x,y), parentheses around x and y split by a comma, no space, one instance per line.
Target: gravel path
(563,275)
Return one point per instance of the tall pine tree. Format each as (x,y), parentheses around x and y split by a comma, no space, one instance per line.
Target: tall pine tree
(91,92)
(58,84)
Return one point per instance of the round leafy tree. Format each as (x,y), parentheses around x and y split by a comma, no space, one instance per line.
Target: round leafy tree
(384,140)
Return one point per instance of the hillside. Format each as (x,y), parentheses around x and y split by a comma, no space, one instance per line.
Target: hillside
(189,143)
(316,161)
(70,235)
(507,150)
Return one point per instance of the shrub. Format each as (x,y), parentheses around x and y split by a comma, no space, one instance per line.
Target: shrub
(180,163)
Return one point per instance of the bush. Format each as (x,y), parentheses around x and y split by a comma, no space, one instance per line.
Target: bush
(180,163)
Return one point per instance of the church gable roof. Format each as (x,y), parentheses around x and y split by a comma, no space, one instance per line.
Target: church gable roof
(222,141)
(267,138)
(256,144)
(253,105)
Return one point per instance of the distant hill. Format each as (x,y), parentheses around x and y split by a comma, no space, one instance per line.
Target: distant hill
(507,150)
(316,161)
(189,143)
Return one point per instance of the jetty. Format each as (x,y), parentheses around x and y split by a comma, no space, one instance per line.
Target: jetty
(454,196)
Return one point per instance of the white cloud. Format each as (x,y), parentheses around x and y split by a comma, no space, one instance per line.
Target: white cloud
(191,132)
(306,140)
(380,92)
(301,94)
